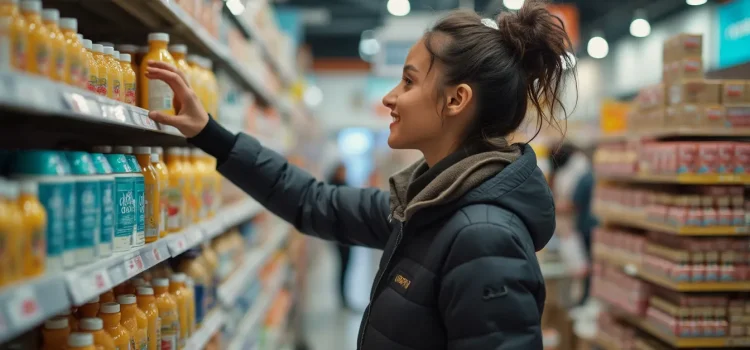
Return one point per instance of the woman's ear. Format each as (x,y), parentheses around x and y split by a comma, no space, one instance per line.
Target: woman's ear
(458,99)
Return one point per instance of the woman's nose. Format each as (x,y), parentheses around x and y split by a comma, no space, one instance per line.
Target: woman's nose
(389,100)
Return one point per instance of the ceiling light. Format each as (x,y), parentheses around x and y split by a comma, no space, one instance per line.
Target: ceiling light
(640,28)
(513,4)
(696,2)
(597,46)
(399,7)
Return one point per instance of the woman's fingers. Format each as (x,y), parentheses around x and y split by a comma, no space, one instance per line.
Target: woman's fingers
(169,67)
(172,79)
(162,118)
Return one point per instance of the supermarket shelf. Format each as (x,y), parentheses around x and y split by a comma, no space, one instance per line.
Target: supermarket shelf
(604,342)
(638,221)
(23,306)
(633,268)
(211,324)
(683,342)
(675,132)
(255,315)
(230,290)
(684,179)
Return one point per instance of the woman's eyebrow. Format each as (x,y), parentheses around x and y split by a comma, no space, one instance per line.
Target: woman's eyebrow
(411,68)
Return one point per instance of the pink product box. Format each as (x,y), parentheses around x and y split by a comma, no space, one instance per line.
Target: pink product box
(726,157)
(742,158)
(687,153)
(708,158)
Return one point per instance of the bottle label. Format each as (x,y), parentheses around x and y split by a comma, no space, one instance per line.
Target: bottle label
(52,195)
(42,59)
(101,86)
(60,64)
(152,222)
(160,95)
(140,213)
(19,51)
(93,83)
(130,93)
(124,212)
(170,331)
(87,195)
(143,346)
(116,89)
(176,207)
(107,212)
(132,343)
(75,71)
(71,234)
(5,46)
(158,333)
(163,205)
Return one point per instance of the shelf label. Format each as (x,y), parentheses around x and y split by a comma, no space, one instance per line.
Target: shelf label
(157,255)
(134,266)
(78,103)
(101,281)
(24,307)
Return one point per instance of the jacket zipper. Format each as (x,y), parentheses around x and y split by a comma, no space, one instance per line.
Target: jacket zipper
(363,331)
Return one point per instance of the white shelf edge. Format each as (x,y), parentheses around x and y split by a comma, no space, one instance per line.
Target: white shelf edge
(211,325)
(25,304)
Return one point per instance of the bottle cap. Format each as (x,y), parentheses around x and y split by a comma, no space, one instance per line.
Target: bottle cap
(13,190)
(93,300)
(209,64)
(154,158)
(124,149)
(145,291)
(157,150)
(105,43)
(194,59)
(102,149)
(197,152)
(51,15)
(56,323)
(158,37)
(98,48)
(178,277)
(125,57)
(69,23)
(178,48)
(126,299)
(127,48)
(86,44)
(80,36)
(116,55)
(90,324)
(29,187)
(142,150)
(109,308)
(189,282)
(80,339)
(34,6)
(160,282)
(108,50)
(174,151)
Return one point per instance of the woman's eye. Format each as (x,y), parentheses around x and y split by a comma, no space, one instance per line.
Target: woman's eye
(407,81)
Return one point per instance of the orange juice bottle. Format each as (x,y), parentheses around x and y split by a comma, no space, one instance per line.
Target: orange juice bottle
(168,312)
(212,88)
(134,320)
(196,79)
(95,326)
(92,69)
(176,288)
(147,304)
(12,227)
(114,74)
(107,297)
(189,291)
(163,173)
(81,341)
(102,70)
(128,78)
(35,221)
(179,53)
(18,31)
(151,181)
(131,50)
(90,309)
(155,94)
(59,59)
(207,190)
(55,333)
(110,315)
(75,51)
(177,211)
(190,188)
(72,320)
(39,44)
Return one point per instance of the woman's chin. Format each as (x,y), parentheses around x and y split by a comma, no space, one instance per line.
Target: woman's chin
(394,142)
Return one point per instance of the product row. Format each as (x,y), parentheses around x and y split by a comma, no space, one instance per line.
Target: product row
(68,208)
(42,43)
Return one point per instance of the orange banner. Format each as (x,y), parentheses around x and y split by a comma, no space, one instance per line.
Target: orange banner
(568,13)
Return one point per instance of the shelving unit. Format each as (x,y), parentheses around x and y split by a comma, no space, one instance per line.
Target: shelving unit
(212,324)
(683,342)
(641,222)
(683,179)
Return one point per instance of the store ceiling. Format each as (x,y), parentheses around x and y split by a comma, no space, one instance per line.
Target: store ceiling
(333,27)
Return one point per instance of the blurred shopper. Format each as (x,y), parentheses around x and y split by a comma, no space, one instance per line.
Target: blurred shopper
(339,179)
(460,228)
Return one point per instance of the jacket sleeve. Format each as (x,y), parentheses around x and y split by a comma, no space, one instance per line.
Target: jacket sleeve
(492,293)
(345,214)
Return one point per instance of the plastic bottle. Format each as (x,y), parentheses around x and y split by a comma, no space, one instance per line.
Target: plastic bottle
(176,288)
(95,326)
(88,206)
(203,291)
(128,77)
(111,317)
(216,182)
(134,320)
(155,94)
(114,74)
(90,309)
(192,185)
(70,218)
(124,199)
(102,70)
(151,181)
(179,53)
(59,55)
(72,320)
(81,341)
(207,186)
(139,186)
(55,333)
(75,52)
(92,68)
(9,272)
(197,80)
(147,304)
(177,183)
(107,297)
(212,88)
(35,222)
(190,296)
(168,312)
(131,50)
(39,43)
(107,189)
(19,33)
(163,173)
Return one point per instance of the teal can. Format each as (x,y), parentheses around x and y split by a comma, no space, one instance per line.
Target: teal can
(107,214)
(88,206)
(140,202)
(124,202)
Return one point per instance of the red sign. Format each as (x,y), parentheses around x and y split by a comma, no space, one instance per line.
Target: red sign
(568,13)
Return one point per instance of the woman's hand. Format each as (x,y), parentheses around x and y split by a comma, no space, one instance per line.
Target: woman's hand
(190,117)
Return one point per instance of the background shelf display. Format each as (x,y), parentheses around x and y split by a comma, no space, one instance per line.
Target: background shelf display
(639,221)
(684,179)
(684,342)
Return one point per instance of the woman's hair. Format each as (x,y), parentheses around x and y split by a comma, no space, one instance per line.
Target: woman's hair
(521,61)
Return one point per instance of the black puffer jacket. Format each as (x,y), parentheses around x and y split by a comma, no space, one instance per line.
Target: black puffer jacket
(460,274)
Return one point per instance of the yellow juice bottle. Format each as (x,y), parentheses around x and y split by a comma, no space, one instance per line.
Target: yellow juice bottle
(197,80)
(92,69)
(111,317)
(135,320)
(176,203)
(189,291)
(169,314)
(179,53)
(176,288)
(72,320)
(59,59)
(55,334)
(151,193)
(204,182)
(114,74)
(128,78)
(95,326)
(155,94)
(38,58)
(81,341)
(161,170)
(13,233)
(213,88)
(75,51)
(35,221)
(90,309)
(19,33)
(147,303)
(107,297)
(190,190)
(102,69)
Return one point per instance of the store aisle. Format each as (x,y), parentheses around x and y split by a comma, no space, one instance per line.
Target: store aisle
(327,326)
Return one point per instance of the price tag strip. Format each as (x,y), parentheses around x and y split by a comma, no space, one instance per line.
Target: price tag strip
(25,306)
